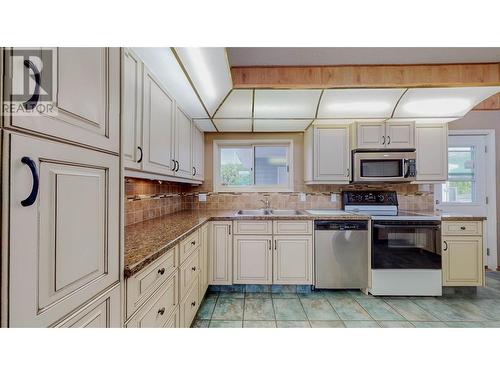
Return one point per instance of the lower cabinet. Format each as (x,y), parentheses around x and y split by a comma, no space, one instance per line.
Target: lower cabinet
(189,305)
(220,253)
(203,260)
(253,260)
(103,312)
(293,260)
(462,258)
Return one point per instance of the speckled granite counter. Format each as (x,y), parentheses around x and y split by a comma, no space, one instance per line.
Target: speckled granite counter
(461,217)
(148,240)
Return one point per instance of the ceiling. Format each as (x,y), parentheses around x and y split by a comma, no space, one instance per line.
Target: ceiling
(262,56)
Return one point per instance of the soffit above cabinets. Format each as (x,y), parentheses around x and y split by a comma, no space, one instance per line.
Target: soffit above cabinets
(238,104)
(208,69)
(441,102)
(233,125)
(280,125)
(279,104)
(358,103)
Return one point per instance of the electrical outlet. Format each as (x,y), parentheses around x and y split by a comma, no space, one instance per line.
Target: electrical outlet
(333,197)
(302,197)
(202,197)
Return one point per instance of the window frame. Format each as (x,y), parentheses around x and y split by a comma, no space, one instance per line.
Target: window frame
(218,144)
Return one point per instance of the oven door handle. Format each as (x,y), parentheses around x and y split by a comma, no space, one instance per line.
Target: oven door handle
(385,226)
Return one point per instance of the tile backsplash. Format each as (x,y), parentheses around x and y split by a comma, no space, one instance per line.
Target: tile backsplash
(147,199)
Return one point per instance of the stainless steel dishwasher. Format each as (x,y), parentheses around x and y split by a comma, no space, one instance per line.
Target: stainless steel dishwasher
(341,254)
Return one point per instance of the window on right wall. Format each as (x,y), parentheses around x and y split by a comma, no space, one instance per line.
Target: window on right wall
(461,184)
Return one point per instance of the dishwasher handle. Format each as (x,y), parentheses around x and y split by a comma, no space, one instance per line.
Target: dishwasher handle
(342,225)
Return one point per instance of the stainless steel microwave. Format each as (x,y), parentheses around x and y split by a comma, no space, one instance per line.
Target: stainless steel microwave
(398,165)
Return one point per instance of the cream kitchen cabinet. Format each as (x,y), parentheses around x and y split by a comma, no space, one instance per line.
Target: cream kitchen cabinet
(132,76)
(198,150)
(220,253)
(253,259)
(183,140)
(293,260)
(327,156)
(203,260)
(157,127)
(63,213)
(86,97)
(462,254)
(377,135)
(431,142)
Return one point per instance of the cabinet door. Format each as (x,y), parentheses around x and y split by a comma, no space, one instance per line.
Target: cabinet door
(203,260)
(400,135)
(64,248)
(86,97)
(332,155)
(183,145)
(131,109)
(293,260)
(198,154)
(158,127)
(370,135)
(431,142)
(103,312)
(253,260)
(220,251)
(462,261)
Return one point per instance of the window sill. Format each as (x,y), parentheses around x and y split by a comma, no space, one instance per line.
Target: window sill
(223,189)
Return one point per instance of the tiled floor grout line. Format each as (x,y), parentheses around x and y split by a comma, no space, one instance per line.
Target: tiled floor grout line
(428,312)
(305,312)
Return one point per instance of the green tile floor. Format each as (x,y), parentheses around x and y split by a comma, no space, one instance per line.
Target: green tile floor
(351,309)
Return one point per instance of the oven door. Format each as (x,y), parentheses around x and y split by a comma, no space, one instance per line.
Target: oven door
(406,244)
(383,166)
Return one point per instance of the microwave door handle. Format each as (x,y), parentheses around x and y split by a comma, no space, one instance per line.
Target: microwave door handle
(406,168)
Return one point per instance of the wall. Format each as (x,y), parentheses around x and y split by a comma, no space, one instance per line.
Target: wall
(317,196)
(485,120)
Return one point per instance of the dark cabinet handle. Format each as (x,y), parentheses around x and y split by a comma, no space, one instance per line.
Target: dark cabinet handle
(446,246)
(173,168)
(193,243)
(178,166)
(33,101)
(383,139)
(194,171)
(161,311)
(463,228)
(34,190)
(193,268)
(389,139)
(161,271)
(193,303)
(140,149)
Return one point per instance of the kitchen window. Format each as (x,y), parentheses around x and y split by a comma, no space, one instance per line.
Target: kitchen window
(461,184)
(250,166)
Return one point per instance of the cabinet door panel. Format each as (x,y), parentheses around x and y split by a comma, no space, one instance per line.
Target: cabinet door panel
(86,97)
(183,145)
(462,261)
(400,135)
(131,109)
(204,260)
(198,154)
(370,135)
(64,248)
(431,142)
(293,260)
(220,253)
(158,127)
(332,155)
(253,260)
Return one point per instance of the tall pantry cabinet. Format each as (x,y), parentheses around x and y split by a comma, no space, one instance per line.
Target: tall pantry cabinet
(61,197)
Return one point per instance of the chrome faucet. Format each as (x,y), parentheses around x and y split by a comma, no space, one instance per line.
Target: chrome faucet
(267,203)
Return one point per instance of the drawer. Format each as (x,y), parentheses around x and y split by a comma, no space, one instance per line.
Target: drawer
(174,320)
(156,311)
(189,305)
(293,227)
(188,244)
(143,284)
(253,227)
(188,271)
(462,228)
(102,312)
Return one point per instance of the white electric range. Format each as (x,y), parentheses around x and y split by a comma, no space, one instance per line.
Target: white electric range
(405,246)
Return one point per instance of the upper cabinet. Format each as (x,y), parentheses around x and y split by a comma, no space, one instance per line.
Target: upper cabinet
(327,155)
(378,135)
(431,141)
(158,137)
(88,115)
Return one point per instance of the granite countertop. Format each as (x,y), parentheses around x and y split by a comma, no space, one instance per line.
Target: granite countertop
(460,217)
(147,241)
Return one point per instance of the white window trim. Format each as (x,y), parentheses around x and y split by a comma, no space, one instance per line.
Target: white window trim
(218,188)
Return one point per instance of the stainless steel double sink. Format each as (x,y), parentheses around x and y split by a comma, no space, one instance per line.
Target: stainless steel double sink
(269,212)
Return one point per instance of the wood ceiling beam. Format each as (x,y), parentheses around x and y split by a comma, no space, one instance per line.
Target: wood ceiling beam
(371,76)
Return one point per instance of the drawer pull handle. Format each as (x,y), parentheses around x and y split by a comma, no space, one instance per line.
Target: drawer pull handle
(161,311)
(193,243)
(161,271)
(193,303)
(34,189)
(140,149)
(446,246)
(463,228)
(193,268)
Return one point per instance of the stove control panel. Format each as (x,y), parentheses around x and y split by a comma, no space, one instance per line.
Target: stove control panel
(366,198)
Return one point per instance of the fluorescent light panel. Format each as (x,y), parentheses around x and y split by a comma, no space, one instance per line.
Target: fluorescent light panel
(280,125)
(237,105)
(234,125)
(204,124)
(279,104)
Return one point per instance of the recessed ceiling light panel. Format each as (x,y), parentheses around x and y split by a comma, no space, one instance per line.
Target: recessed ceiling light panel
(237,105)
(279,104)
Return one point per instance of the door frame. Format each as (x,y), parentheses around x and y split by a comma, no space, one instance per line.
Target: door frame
(490,228)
